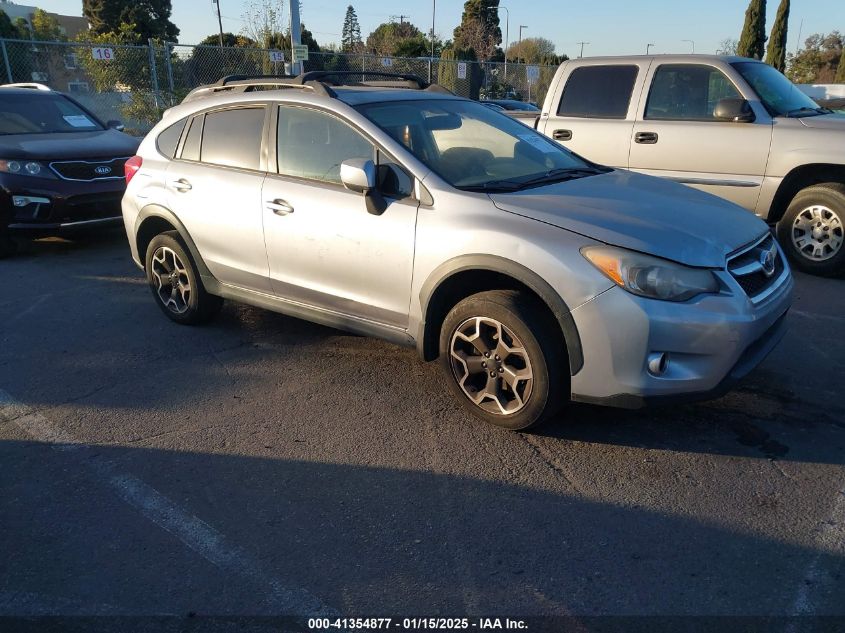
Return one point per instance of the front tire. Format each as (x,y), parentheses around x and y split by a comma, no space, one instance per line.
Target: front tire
(811,230)
(504,358)
(175,282)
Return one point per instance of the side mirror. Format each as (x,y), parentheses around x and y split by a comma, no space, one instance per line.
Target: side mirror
(114,124)
(736,110)
(359,175)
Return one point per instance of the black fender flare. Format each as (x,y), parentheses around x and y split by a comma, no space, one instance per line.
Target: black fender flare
(522,274)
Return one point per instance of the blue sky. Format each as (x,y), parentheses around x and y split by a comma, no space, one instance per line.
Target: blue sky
(612,26)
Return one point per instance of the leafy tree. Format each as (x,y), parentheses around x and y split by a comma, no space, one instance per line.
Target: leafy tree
(840,70)
(45,26)
(7,29)
(150,18)
(752,41)
(531,50)
(447,72)
(350,39)
(776,53)
(230,40)
(479,28)
(305,37)
(817,62)
(264,23)
(727,46)
(388,38)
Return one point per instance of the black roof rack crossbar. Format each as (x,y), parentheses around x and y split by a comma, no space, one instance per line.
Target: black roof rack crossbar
(322,75)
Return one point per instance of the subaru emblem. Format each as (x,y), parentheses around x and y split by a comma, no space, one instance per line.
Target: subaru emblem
(767,261)
(102,170)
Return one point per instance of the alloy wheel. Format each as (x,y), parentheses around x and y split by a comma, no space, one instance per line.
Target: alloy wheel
(817,233)
(171,278)
(491,365)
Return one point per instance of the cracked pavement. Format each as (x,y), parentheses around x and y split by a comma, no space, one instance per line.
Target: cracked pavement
(151,468)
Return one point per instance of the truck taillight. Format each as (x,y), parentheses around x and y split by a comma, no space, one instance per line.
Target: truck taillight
(131,167)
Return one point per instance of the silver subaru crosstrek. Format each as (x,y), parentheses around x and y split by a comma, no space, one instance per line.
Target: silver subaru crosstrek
(395,209)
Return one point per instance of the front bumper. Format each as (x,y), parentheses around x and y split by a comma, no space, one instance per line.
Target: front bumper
(55,205)
(711,342)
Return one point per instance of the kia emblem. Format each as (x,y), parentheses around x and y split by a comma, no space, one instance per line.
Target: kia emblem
(102,170)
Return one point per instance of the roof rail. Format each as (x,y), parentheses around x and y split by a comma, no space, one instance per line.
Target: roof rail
(318,81)
(30,85)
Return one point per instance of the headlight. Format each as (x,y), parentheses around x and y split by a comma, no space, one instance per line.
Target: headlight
(650,277)
(24,168)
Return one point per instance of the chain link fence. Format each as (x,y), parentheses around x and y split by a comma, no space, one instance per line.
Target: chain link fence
(134,84)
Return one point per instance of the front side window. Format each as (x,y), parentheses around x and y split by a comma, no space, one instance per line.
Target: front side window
(599,92)
(34,113)
(312,144)
(473,147)
(780,96)
(233,138)
(687,92)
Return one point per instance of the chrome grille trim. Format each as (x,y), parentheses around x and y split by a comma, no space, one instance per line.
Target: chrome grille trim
(53,166)
(742,265)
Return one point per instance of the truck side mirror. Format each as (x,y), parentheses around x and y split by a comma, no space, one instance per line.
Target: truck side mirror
(735,110)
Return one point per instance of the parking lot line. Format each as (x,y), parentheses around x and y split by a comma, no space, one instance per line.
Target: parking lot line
(192,531)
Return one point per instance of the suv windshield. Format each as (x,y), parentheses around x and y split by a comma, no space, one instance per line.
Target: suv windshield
(780,96)
(473,147)
(42,114)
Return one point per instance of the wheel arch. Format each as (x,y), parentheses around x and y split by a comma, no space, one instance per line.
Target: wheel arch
(155,219)
(800,178)
(466,275)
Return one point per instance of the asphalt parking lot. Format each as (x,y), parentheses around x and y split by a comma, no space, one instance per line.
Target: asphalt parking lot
(263,465)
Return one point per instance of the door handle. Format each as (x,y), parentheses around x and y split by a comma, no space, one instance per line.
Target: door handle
(279,207)
(562,135)
(182,185)
(645,138)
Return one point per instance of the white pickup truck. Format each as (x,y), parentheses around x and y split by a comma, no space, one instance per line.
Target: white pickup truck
(731,126)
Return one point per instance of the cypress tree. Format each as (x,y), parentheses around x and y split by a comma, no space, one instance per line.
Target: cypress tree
(840,70)
(753,38)
(350,39)
(776,52)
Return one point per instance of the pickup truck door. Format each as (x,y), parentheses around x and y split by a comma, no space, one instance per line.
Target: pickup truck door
(677,136)
(593,109)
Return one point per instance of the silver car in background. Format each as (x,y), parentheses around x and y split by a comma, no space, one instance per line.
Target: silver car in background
(398,210)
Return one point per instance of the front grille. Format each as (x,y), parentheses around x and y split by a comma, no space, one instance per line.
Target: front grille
(89,170)
(749,268)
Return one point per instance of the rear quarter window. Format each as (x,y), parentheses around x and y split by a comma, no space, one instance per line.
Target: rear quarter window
(168,139)
(600,92)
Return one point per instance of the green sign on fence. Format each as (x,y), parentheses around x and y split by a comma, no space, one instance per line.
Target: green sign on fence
(300,53)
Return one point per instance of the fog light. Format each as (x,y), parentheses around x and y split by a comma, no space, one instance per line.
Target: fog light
(658,363)
(22,201)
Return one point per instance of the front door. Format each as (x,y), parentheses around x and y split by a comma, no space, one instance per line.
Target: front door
(677,136)
(325,250)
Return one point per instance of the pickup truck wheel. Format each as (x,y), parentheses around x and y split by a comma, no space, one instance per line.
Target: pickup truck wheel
(812,231)
(503,357)
(175,282)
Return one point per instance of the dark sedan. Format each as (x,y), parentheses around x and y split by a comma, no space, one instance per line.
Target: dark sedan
(61,167)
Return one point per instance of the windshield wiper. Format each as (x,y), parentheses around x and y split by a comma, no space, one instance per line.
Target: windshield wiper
(553,175)
(806,110)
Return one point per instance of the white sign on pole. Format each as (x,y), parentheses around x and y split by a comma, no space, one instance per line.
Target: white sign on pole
(386,62)
(103,54)
(300,53)
(462,70)
(277,56)
(533,73)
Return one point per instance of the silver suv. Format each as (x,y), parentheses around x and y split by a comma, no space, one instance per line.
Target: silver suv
(395,209)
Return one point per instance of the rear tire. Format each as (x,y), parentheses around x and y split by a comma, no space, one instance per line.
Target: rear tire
(504,358)
(175,282)
(811,230)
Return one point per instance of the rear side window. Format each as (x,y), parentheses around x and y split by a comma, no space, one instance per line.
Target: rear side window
(601,92)
(233,138)
(191,146)
(167,141)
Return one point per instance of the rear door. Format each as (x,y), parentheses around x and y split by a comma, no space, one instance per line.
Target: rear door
(676,135)
(595,110)
(214,187)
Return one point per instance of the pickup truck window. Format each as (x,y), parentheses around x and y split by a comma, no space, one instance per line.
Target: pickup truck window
(778,94)
(687,92)
(599,92)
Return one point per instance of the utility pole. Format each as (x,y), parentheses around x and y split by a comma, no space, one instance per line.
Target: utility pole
(692,43)
(519,46)
(507,33)
(219,20)
(433,11)
(295,34)
(582,48)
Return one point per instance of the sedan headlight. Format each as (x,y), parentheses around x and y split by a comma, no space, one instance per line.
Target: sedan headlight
(650,277)
(24,168)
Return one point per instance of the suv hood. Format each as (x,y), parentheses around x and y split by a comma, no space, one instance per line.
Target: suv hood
(825,122)
(68,145)
(641,213)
